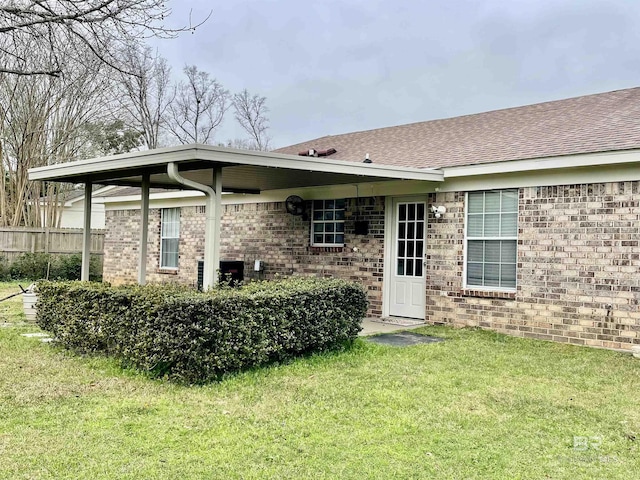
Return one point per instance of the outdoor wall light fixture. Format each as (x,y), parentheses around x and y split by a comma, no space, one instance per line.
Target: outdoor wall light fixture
(438,211)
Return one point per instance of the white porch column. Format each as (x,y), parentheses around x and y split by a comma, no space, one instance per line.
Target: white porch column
(144,230)
(86,234)
(217,220)
(212,233)
(212,225)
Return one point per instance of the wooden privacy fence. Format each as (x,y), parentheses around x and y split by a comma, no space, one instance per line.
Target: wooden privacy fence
(14,241)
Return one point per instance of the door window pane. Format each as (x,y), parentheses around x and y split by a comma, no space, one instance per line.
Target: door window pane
(418,270)
(410,249)
(401,249)
(412,211)
(409,268)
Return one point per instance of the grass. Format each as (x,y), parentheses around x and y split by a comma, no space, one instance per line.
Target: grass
(479,405)
(11,310)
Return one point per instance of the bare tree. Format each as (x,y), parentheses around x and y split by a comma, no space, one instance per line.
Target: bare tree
(100,27)
(251,113)
(239,143)
(42,120)
(198,107)
(147,91)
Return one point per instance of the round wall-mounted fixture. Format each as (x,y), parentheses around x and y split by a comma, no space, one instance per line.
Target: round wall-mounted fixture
(438,211)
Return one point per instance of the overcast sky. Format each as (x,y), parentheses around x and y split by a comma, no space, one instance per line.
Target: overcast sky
(330,67)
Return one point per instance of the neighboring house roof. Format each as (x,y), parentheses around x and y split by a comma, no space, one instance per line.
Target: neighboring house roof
(73,194)
(71,197)
(593,123)
(128,191)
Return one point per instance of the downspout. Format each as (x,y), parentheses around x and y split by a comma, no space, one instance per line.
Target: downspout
(212,230)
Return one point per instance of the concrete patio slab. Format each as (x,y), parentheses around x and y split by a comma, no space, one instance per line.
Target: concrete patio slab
(373,326)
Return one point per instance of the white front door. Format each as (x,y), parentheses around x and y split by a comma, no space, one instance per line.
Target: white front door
(407,289)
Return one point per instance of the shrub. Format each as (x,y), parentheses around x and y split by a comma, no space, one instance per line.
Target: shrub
(193,337)
(30,266)
(5,274)
(69,267)
(36,266)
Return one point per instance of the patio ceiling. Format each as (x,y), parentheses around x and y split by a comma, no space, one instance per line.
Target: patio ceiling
(242,170)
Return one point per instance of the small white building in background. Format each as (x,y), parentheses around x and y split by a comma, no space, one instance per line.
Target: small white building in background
(72,215)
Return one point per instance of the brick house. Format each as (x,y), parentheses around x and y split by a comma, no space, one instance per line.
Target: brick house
(525,220)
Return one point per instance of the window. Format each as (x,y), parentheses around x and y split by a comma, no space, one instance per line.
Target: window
(492,235)
(410,238)
(169,237)
(327,224)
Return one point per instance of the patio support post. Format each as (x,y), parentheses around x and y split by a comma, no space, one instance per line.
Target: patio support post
(86,233)
(214,230)
(212,225)
(144,230)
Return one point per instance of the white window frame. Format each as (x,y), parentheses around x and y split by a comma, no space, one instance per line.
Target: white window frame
(163,237)
(467,238)
(334,221)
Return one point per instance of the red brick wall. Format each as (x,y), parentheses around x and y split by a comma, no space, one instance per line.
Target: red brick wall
(252,232)
(577,253)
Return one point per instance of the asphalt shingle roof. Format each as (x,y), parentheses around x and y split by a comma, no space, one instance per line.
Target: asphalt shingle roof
(592,123)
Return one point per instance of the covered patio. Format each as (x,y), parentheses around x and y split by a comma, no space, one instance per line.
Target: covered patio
(217,170)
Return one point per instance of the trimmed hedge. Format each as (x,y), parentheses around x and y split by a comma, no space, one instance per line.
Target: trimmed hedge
(193,337)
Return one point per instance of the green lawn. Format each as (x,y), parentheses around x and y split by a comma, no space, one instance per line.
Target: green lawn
(480,405)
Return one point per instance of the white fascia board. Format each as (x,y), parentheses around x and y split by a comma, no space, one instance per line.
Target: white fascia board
(547,163)
(566,176)
(229,156)
(116,162)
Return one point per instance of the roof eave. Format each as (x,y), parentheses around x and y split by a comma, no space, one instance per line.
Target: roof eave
(581,160)
(85,170)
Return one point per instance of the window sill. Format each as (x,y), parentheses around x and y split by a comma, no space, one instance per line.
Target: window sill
(327,248)
(497,294)
(167,271)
